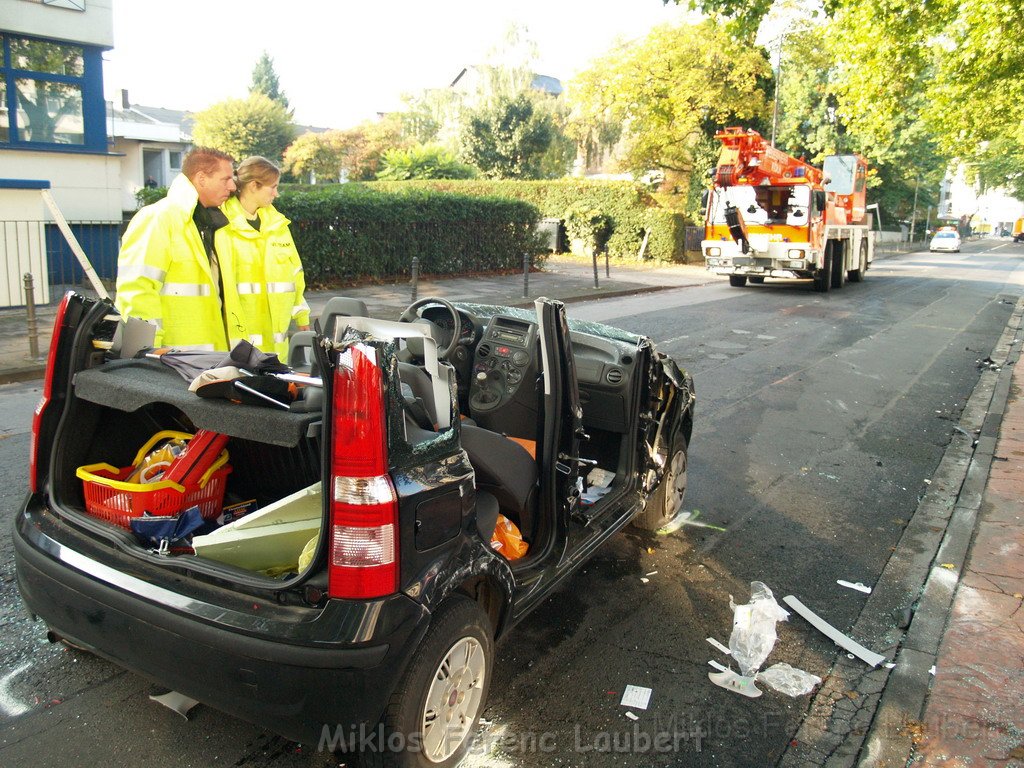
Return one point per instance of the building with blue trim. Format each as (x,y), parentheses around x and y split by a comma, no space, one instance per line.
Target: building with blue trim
(53,122)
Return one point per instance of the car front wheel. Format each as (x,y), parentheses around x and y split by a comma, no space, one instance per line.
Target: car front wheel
(666,501)
(432,717)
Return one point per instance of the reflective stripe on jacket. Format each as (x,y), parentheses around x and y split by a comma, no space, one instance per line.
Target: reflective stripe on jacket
(163,273)
(269,281)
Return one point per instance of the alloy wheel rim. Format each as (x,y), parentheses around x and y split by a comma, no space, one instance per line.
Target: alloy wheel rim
(676,488)
(453,700)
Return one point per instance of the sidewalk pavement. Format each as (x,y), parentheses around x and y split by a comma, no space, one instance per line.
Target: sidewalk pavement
(974,714)
(970,712)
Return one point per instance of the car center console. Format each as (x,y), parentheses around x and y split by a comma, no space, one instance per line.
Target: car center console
(504,360)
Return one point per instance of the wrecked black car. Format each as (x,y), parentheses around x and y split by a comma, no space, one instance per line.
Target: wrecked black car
(350,577)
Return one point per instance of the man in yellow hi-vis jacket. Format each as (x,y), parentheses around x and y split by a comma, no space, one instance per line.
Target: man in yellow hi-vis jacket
(168,270)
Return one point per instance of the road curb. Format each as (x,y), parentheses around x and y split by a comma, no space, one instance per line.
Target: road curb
(26,373)
(862,715)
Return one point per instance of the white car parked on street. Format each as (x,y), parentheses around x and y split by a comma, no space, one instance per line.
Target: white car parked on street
(945,240)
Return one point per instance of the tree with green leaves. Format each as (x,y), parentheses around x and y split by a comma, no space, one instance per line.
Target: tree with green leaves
(507,140)
(243,127)
(265,80)
(668,91)
(364,146)
(316,154)
(937,60)
(506,75)
(423,161)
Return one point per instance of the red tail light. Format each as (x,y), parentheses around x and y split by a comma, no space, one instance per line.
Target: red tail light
(363,560)
(34,481)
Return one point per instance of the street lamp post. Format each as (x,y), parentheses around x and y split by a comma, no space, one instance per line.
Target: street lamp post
(778,81)
(913,216)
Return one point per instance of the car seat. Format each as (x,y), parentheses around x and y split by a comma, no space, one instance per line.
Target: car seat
(504,468)
(299,344)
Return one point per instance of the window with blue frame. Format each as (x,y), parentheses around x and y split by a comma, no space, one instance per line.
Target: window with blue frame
(51,95)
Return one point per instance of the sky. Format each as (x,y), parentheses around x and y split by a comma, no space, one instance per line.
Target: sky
(340,62)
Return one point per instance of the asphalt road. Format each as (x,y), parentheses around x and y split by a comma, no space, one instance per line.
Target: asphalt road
(820,421)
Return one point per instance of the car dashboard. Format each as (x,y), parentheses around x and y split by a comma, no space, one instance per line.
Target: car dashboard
(496,363)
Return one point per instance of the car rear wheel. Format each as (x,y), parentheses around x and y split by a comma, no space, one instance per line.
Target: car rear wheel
(432,717)
(757,280)
(666,501)
(737,281)
(838,267)
(857,275)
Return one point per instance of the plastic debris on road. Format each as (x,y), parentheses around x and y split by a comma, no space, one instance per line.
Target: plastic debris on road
(636,696)
(854,585)
(752,639)
(788,680)
(733,682)
(753,628)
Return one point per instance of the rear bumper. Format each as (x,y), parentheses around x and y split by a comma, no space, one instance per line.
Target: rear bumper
(292,671)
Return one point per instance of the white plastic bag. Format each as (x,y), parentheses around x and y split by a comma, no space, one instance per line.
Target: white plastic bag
(789,680)
(753,628)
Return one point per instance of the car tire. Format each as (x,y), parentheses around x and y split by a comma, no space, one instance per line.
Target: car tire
(433,715)
(823,278)
(838,270)
(666,500)
(857,275)
(737,281)
(756,280)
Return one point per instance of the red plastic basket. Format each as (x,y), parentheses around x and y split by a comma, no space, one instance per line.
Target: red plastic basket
(108,497)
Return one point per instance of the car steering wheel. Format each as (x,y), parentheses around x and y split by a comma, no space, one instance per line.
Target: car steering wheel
(412,314)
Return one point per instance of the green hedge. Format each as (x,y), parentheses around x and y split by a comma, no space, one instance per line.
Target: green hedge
(348,231)
(630,207)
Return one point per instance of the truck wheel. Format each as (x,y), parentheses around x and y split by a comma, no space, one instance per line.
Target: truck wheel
(666,500)
(857,275)
(823,279)
(737,281)
(756,280)
(433,715)
(838,268)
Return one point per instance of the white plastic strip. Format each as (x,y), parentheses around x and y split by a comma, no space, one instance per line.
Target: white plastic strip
(723,648)
(854,585)
(833,634)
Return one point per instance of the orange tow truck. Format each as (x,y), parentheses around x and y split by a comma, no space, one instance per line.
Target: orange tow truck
(772,215)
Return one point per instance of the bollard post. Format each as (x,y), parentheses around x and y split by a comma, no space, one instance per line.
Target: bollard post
(415,277)
(526,275)
(30,311)
(594,257)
